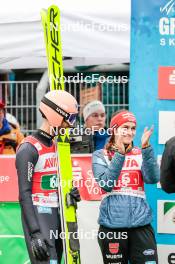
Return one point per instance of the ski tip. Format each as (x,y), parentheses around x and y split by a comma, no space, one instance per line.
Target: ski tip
(56,8)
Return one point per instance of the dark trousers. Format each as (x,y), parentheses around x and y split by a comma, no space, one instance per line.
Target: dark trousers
(136,245)
(50,227)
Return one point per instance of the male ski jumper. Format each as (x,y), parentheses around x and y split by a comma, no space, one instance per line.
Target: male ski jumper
(37,165)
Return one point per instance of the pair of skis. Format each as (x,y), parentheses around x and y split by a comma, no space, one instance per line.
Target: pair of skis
(52,37)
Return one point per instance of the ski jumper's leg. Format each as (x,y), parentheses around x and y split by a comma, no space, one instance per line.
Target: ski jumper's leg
(142,245)
(114,245)
(51,228)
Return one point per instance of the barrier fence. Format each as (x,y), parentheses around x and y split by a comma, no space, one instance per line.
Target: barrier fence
(21,98)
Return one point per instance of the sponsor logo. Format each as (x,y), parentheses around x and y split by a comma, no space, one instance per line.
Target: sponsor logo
(56,71)
(45,135)
(61,112)
(166,82)
(172,78)
(148,252)
(166,253)
(47,201)
(166,216)
(171,258)
(50,163)
(128,116)
(30,171)
(114,256)
(4,179)
(44,210)
(167,24)
(49,182)
(168,8)
(113,248)
(130,163)
(76,171)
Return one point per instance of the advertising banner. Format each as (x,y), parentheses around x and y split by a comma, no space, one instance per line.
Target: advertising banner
(82,172)
(166,216)
(8,179)
(166,82)
(166,254)
(152,94)
(12,243)
(84,179)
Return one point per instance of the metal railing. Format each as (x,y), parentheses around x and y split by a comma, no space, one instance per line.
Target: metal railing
(114,96)
(21,98)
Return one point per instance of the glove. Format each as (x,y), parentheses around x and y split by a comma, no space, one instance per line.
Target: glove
(73,197)
(39,247)
(74,193)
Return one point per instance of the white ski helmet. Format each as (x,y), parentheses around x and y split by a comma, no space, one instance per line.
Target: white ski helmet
(59,105)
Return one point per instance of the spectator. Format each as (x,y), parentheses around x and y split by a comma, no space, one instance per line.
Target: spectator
(10,135)
(167,175)
(94,116)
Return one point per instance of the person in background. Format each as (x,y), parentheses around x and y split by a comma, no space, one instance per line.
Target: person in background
(10,134)
(121,169)
(94,117)
(167,168)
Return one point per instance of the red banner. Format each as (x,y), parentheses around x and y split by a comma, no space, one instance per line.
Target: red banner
(84,179)
(82,172)
(166,82)
(8,179)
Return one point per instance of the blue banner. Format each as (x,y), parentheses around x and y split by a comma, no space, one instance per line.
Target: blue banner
(151,98)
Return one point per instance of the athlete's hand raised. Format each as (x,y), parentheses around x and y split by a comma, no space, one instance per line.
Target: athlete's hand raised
(146,136)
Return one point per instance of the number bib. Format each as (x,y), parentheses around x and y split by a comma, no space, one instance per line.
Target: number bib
(44,180)
(130,181)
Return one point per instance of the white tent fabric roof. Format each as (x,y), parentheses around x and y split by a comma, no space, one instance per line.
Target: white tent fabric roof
(93,32)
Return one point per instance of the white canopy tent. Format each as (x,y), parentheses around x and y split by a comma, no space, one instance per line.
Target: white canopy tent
(93,33)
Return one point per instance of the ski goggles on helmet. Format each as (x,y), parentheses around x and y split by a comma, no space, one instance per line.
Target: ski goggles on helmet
(70,118)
